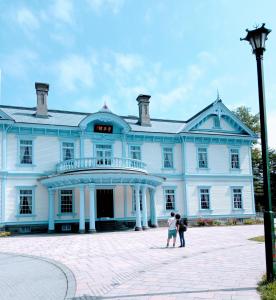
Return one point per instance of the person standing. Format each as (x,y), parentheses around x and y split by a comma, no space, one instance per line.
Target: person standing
(172,229)
(181,225)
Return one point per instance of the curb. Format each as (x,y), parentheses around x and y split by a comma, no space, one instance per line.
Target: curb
(69,275)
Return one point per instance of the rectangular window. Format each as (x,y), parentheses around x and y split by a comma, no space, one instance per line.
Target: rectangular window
(235,159)
(135,152)
(104,154)
(168,157)
(134,200)
(25,201)
(66,201)
(26,152)
(204,198)
(237,198)
(170,199)
(202,158)
(67,150)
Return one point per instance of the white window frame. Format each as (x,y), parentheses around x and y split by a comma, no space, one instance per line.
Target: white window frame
(169,191)
(60,201)
(233,192)
(200,193)
(199,152)
(237,150)
(19,195)
(62,148)
(131,151)
(164,152)
(25,139)
(105,160)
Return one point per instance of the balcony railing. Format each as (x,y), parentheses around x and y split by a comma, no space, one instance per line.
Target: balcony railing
(100,163)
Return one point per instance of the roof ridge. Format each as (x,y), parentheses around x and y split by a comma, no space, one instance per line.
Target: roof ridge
(83,113)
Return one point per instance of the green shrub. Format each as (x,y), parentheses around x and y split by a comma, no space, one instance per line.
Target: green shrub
(267,289)
(5,233)
(216,223)
(249,222)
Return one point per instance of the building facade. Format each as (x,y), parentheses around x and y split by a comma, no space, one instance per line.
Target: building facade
(61,169)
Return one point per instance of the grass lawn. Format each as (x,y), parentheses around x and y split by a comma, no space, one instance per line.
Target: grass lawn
(266,289)
(258,238)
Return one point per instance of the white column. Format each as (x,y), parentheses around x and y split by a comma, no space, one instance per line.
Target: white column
(154,222)
(125,201)
(138,213)
(92,227)
(51,201)
(82,215)
(144,206)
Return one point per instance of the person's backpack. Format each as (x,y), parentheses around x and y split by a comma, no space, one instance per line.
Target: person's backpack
(182,226)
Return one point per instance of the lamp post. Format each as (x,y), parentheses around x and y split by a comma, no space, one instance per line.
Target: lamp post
(257,38)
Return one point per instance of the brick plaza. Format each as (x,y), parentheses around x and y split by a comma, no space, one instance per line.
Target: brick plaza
(217,263)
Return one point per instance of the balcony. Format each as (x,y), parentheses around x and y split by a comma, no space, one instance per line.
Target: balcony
(96,163)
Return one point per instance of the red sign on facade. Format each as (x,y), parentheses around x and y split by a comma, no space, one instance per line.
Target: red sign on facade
(103,128)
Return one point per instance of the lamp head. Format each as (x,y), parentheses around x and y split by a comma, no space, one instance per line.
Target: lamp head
(257,38)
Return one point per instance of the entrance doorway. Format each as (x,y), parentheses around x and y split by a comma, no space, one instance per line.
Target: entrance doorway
(105,204)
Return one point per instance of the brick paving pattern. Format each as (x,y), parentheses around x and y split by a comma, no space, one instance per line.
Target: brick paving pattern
(217,263)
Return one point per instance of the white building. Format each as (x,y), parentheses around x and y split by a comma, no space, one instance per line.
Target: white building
(62,169)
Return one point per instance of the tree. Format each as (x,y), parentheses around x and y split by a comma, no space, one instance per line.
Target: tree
(253,122)
(250,120)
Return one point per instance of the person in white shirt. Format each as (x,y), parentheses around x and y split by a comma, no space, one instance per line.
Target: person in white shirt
(172,229)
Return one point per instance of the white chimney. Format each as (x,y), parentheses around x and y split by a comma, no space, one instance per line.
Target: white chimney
(42,98)
(143,103)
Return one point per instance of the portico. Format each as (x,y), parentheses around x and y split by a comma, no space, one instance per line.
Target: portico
(86,186)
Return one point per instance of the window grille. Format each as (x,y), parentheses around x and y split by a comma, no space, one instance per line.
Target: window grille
(66,201)
(202,158)
(235,159)
(25,202)
(204,199)
(168,157)
(170,199)
(237,198)
(26,151)
(67,150)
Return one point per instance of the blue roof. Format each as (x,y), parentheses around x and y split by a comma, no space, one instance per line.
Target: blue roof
(68,118)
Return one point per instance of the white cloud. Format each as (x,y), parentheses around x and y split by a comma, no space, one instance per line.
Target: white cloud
(73,71)
(99,5)
(128,62)
(62,10)
(207,57)
(19,63)
(27,20)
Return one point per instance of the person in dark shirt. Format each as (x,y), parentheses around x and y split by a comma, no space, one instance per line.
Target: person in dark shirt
(181,225)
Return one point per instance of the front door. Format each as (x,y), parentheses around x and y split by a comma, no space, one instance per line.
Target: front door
(105,204)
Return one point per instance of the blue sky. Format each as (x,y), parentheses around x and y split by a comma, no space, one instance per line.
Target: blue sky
(96,51)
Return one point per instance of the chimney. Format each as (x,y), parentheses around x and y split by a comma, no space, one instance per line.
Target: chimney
(143,103)
(42,95)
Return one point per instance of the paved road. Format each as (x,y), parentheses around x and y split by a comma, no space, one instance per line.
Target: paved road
(218,263)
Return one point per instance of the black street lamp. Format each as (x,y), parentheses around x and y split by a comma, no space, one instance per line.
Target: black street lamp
(257,38)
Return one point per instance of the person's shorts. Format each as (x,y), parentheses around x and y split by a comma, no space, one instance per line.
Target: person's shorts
(171,233)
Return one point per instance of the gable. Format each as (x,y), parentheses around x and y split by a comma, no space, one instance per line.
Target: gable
(217,118)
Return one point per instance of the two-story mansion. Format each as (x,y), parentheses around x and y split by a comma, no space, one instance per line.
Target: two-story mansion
(63,169)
